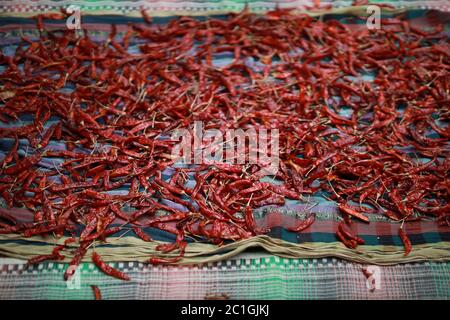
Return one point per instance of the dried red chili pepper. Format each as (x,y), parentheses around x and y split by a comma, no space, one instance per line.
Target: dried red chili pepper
(108,269)
(304,224)
(97,292)
(349,210)
(405,240)
(156,261)
(141,234)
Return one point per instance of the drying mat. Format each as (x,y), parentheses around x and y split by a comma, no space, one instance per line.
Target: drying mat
(247,277)
(430,242)
(196,7)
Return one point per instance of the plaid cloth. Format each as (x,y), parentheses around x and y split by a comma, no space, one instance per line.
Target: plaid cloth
(245,277)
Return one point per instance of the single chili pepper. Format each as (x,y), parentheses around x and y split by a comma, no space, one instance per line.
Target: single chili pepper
(304,224)
(58,188)
(177,216)
(284,191)
(273,199)
(392,215)
(405,240)
(156,261)
(108,269)
(349,210)
(109,231)
(97,292)
(141,234)
(39,230)
(169,227)
(45,257)
(119,213)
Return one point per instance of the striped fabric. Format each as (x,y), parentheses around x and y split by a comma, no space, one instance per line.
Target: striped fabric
(193,7)
(246,277)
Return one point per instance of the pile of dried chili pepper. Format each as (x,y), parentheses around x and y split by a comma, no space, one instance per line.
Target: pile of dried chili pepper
(362,115)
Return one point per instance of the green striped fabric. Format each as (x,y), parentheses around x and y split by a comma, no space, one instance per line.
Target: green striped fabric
(245,277)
